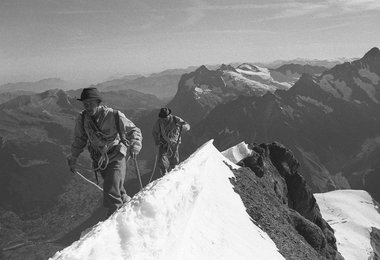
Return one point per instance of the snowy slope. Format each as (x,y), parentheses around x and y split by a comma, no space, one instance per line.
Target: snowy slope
(238,152)
(351,213)
(252,78)
(191,213)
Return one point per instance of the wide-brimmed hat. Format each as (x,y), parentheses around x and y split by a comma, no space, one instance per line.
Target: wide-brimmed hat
(90,93)
(164,112)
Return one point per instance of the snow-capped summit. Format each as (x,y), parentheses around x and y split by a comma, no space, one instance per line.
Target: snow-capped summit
(256,79)
(249,67)
(254,72)
(202,90)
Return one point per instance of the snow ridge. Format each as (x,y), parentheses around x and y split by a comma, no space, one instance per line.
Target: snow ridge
(190,213)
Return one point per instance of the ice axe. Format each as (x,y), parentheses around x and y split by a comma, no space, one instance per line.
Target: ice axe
(137,170)
(84,178)
(155,164)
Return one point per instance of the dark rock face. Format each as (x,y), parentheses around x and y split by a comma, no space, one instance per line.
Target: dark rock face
(300,196)
(276,172)
(375,242)
(372,58)
(310,231)
(198,93)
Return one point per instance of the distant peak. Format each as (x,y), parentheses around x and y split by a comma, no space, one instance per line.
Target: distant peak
(51,80)
(227,67)
(202,69)
(372,53)
(249,67)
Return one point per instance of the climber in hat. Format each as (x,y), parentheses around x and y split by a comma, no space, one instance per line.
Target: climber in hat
(167,136)
(109,136)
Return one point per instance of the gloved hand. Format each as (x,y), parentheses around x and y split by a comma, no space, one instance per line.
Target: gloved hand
(71,161)
(185,126)
(134,151)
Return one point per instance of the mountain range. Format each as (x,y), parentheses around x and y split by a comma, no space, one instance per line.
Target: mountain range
(291,73)
(38,86)
(330,121)
(328,63)
(201,91)
(162,85)
(328,118)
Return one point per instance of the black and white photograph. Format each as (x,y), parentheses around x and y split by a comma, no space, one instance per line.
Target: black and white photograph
(189,130)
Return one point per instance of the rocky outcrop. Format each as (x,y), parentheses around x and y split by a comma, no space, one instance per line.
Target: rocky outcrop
(198,93)
(275,186)
(375,243)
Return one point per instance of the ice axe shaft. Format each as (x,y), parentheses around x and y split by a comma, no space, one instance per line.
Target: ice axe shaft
(154,168)
(84,178)
(137,170)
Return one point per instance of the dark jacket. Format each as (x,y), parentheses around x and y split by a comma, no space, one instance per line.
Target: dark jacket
(168,132)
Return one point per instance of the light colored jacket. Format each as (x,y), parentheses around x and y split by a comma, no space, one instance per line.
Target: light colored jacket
(108,139)
(168,132)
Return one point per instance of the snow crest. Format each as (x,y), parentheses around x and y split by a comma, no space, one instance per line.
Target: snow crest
(190,213)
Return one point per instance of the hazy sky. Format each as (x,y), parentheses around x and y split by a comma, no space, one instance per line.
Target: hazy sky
(95,39)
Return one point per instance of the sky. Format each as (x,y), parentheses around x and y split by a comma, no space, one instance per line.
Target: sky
(190,213)
(91,40)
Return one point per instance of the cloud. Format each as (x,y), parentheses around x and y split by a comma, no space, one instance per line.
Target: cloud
(274,10)
(195,13)
(148,24)
(331,27)
(356,5)
(224,32)
(296,9)
(199,8)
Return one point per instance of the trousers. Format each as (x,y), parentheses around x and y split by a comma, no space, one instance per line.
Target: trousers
(168,157)
(114,193)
